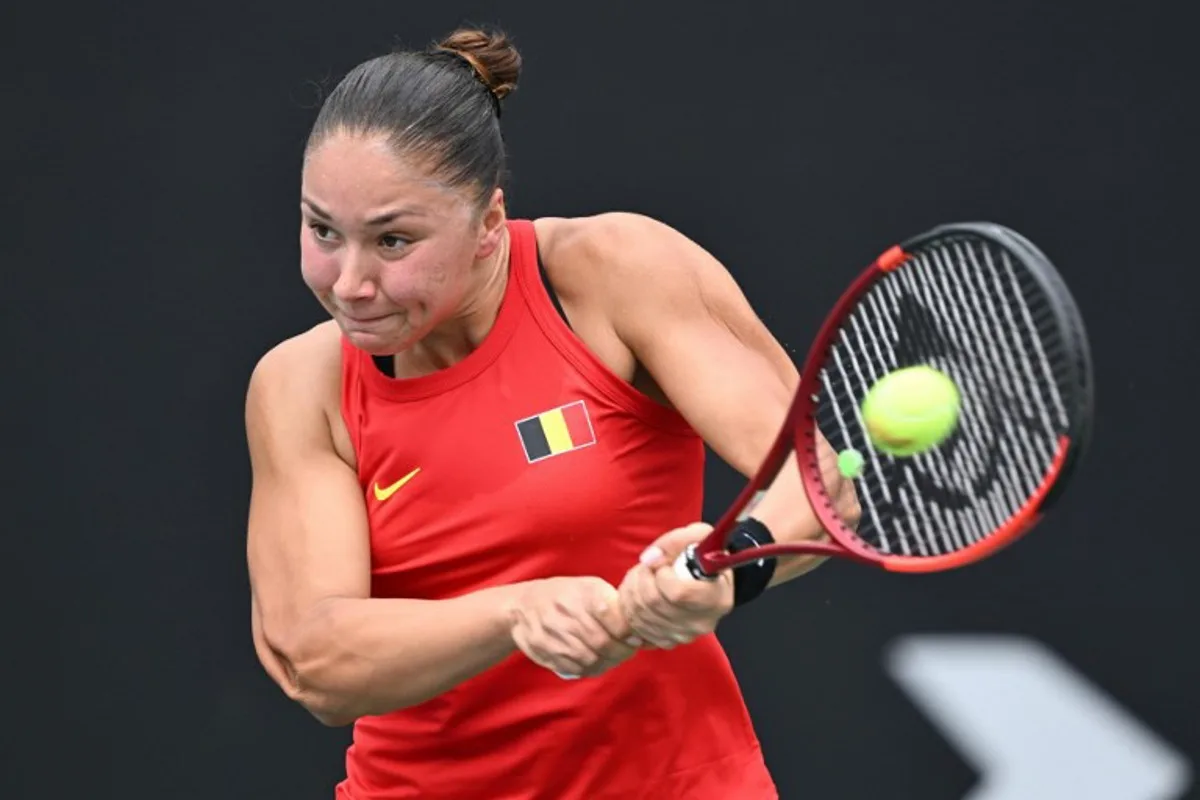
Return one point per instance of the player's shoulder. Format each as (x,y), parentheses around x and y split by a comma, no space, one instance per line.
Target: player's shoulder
(583,253)
(605,236)
(302,369)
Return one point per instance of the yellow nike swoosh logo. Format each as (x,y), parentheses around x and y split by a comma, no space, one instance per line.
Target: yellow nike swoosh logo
(382,494)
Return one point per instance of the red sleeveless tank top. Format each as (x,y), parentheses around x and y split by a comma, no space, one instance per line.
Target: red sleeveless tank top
(530,459)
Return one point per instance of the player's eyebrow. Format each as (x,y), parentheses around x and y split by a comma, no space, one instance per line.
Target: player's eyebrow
(379,219)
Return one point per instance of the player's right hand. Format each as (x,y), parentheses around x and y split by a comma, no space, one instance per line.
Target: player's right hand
(573,626)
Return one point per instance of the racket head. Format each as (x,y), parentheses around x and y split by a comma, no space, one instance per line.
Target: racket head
(981,303)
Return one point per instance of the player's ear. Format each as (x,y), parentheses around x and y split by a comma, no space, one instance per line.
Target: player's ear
(492,224)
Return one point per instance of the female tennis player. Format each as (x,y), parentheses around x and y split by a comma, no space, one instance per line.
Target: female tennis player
(503,422)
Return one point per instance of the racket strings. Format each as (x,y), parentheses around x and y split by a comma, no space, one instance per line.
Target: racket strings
(968,308)
(978,371)
(983,356)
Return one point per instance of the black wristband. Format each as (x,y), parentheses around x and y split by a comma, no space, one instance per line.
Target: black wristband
(750,580)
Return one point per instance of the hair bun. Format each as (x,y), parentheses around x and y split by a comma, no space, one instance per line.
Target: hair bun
(494,58)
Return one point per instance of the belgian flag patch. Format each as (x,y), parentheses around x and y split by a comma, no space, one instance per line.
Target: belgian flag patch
(557,431)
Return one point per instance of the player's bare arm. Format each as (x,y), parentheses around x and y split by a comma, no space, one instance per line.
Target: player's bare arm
(330,647)
(680,315)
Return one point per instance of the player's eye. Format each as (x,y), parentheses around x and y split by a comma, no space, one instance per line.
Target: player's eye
(391,241)
(323,233)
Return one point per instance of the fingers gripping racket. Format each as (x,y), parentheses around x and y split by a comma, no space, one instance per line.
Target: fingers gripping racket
(983,305)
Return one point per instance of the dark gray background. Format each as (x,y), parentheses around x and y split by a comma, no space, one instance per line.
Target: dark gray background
(151,168)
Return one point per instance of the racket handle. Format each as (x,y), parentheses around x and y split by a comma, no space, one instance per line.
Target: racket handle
(688,566)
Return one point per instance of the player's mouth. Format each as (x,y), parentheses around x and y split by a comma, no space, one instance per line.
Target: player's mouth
(356,319)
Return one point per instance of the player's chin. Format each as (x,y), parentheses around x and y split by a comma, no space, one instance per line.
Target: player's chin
(382,337)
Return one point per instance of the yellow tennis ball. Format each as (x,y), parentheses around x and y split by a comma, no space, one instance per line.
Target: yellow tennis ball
(911,410)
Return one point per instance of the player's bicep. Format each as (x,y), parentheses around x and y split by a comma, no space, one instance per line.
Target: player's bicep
(733,397)
(307,538)
(694,331)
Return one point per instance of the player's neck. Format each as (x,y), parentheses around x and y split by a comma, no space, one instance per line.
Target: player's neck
(459,336)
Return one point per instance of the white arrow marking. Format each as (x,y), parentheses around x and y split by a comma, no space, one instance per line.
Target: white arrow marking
(1032,726)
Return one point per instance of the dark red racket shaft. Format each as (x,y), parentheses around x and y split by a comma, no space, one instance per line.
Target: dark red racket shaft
(709,555)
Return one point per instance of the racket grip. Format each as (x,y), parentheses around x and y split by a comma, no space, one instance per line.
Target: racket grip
(687,566)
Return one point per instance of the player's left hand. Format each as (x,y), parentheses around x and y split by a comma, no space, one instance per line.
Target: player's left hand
(664,609)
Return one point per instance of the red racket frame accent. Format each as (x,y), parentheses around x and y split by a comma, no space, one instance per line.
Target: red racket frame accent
(799,433)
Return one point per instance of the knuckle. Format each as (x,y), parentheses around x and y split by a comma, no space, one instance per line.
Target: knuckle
(649,633)
(640,610)
(562,655)
(672,592)
(684,595)
(564,604)
(597,640)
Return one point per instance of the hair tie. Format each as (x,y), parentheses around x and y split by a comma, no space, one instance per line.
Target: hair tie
(482,73)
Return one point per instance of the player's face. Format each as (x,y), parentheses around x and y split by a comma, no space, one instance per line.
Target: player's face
(385,248)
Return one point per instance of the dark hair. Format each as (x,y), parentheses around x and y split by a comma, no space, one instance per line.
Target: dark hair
(440,106)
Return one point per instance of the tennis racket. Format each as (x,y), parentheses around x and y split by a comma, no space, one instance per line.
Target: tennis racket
(982,304)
